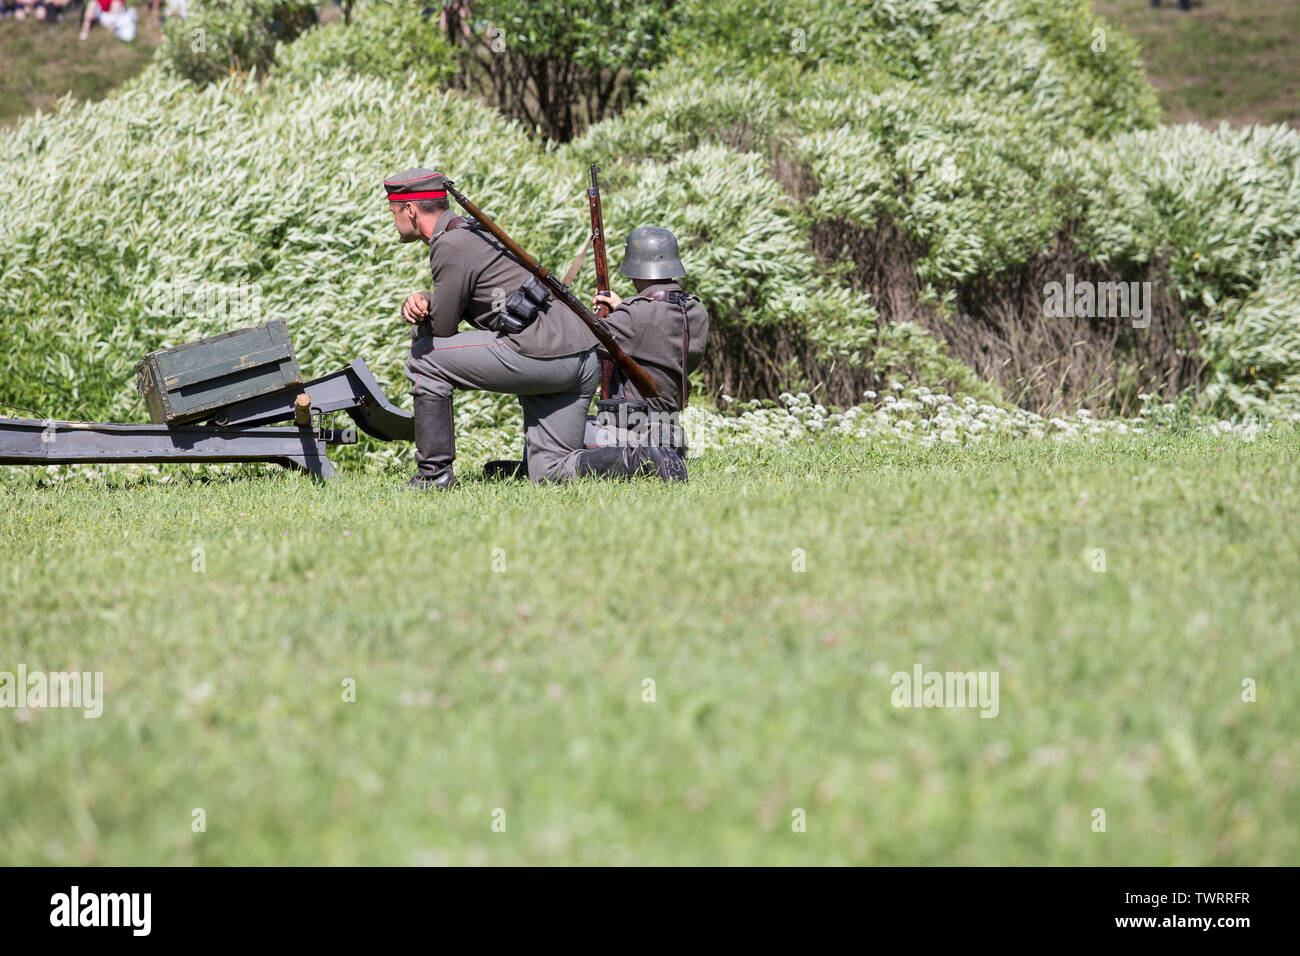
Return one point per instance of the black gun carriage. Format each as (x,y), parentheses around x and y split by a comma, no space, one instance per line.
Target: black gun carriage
(223,399)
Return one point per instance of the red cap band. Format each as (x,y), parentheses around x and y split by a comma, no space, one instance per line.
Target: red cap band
(410,197)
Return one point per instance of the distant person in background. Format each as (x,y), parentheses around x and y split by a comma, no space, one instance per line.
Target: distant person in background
(96,9)
(31,8)
(455,15)
(53,9)
(180,9)
(112,15)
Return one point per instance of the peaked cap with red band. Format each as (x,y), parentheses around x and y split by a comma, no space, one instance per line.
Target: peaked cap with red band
(412,185)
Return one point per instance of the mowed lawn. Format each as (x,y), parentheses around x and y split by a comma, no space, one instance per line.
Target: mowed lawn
(523,688)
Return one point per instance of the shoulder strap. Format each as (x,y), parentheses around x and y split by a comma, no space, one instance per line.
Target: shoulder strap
(686,351)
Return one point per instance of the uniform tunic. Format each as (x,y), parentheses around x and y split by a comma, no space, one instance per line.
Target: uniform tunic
(474,275)
(551,365)
(650,331)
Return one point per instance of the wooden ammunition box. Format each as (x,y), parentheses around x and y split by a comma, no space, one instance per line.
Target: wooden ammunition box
(195,380)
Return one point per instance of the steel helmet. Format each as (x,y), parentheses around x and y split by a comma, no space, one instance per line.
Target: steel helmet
(651,253)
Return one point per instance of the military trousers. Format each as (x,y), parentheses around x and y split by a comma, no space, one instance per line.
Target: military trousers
(555,393)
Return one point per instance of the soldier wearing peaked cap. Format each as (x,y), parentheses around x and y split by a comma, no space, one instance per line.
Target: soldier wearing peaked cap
(520,342)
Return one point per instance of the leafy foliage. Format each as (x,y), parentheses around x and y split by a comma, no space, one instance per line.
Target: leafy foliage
(857,203)
(381,38)
(199,196)
(220,37)
(558,65)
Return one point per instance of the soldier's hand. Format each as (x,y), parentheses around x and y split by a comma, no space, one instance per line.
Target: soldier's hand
(607,298)
(415,308)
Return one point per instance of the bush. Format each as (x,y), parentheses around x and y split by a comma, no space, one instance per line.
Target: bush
(388,38)
(220,37)
(882,200)
(558,65)
(272,187)
(1047,58)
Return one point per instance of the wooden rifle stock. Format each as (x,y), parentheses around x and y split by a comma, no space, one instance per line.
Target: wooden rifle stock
(598,241)
(599,328)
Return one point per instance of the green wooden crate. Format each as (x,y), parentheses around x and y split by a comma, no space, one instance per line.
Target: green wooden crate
(195,380)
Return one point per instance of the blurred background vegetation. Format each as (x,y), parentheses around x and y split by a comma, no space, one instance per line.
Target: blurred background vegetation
(1219,61)
(865,192)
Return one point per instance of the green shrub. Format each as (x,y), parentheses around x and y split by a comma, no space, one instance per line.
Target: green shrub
(220,37)
(1046,58)
(275,186)
(856,207)
(389,38)
(1254,349)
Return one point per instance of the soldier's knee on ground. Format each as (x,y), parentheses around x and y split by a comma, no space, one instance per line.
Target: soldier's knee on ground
(546,466)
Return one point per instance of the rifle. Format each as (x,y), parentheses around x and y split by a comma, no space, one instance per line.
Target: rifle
(597,324)
(602,269)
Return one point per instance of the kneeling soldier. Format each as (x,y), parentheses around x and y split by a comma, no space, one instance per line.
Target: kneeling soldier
(523,342)
(665,330)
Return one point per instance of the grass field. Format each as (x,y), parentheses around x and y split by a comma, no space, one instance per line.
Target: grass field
(1231,60)
(40,62)
(522,688)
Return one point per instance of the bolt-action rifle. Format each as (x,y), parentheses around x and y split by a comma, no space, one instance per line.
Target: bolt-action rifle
(602,269)
(597,324)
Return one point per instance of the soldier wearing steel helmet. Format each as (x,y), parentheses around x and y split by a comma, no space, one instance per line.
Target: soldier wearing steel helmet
(665,329)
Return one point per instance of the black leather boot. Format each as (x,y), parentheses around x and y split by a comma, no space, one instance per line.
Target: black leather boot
(627,461)
(499,469)
(669,464)
(435,443)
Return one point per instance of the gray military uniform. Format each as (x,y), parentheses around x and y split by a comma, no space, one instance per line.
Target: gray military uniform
(667,339)
(551,365)
(473,275)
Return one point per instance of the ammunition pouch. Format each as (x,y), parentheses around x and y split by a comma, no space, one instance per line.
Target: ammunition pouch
(521,308)
(610,406)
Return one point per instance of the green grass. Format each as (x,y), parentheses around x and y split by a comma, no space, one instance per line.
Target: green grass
(39,62)
(522,689)
(1222,60)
